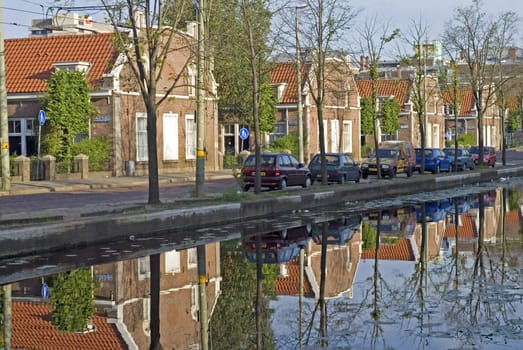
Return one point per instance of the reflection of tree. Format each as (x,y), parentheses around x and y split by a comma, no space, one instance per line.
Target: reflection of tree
(233,322)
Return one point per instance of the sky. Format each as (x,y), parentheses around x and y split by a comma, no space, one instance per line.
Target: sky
(17,14)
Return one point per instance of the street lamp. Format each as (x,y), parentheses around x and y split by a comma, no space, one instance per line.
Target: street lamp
(298,84)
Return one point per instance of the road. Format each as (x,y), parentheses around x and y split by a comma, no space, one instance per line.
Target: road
(125,196)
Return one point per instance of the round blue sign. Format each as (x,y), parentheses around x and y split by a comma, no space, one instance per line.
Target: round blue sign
(45,291)
(244,133)
(41,117)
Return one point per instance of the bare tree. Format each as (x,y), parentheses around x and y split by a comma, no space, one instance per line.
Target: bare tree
(146,34)
(373,37)
(323,26)
(479,39)
(416,37)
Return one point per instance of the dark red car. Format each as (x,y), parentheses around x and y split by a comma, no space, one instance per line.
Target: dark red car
(278,170)
(489,155)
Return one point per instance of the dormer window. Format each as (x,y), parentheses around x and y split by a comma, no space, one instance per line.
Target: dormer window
(78,66)
(279,89)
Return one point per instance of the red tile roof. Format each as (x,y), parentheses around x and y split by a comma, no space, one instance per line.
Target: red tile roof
(285,72)
(399,251)
(512,217)
(467,229)
(290,285)
(32,329)
(399,88)
(465,99)
(29,61)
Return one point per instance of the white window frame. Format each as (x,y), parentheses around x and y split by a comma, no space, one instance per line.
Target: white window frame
(172,261)
(191,81)
(190,137)
(335,135)
(170,136)
(347,136)
(142,154)
(192,258)
(144,267)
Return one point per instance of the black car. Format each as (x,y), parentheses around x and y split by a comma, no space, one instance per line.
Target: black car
(340,168)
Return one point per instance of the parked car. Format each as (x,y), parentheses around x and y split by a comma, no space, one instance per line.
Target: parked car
(435,160)
(462,158)
(395,157)
(340,168)
(278,170)
(489,155)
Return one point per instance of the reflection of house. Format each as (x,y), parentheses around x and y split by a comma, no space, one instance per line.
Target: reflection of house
(123,301)
(399,222)
(341,265)
(127,284)
(32,329)
(121,114)
(402,90)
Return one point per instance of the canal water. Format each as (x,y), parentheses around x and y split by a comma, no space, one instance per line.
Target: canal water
(438,270)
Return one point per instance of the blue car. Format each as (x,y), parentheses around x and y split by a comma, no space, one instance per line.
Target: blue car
(435,160)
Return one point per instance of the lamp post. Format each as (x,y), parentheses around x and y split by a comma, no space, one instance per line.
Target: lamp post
(298,84)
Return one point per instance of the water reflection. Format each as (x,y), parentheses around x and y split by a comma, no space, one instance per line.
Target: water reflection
(445,273)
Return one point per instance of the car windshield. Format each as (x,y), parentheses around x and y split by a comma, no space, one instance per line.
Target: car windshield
(387,153)
(266,160)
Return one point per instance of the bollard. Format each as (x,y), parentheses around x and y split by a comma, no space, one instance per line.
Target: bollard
(81,165)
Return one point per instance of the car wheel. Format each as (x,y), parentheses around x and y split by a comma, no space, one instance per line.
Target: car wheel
(358,178)
(436,170)
(342,180)
(308,182)
(472,166)
(392,173)
(246,188)
(493,164)
(410,172)
(283,184)
(364,176)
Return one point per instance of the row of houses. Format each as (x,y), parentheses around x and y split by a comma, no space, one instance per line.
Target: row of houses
(122,115)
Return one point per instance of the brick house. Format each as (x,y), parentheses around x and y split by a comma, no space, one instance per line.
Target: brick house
(466,121)
(121,113)
(402,90)
(341,121)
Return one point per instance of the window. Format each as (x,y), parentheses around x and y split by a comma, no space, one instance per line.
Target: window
(141,137)
(191,77)
(335,136)
(172,261)
(192,258)
(190,137)
(347,136)
(144,268)
(170,136)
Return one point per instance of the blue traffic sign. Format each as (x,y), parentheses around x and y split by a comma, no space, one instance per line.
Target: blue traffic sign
(244,133)
(41,117)
(45,291)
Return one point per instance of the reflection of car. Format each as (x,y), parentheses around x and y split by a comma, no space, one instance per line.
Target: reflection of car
(278,170)
(277,247)
(339,231)
(435,160)
(489,155)
(395,222)
(462,158)
(340,168)
(395,157)
(434,210)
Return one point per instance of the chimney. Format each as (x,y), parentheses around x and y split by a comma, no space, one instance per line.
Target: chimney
(192,29)
(139,19)
(512,54)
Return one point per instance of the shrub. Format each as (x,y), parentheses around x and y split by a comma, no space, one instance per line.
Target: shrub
(467,140)
(285,143)
(98,150)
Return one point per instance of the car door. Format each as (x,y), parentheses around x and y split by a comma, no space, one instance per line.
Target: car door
(288,169)
(350,168)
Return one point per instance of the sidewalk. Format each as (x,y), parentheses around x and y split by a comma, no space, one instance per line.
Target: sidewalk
(103,182)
